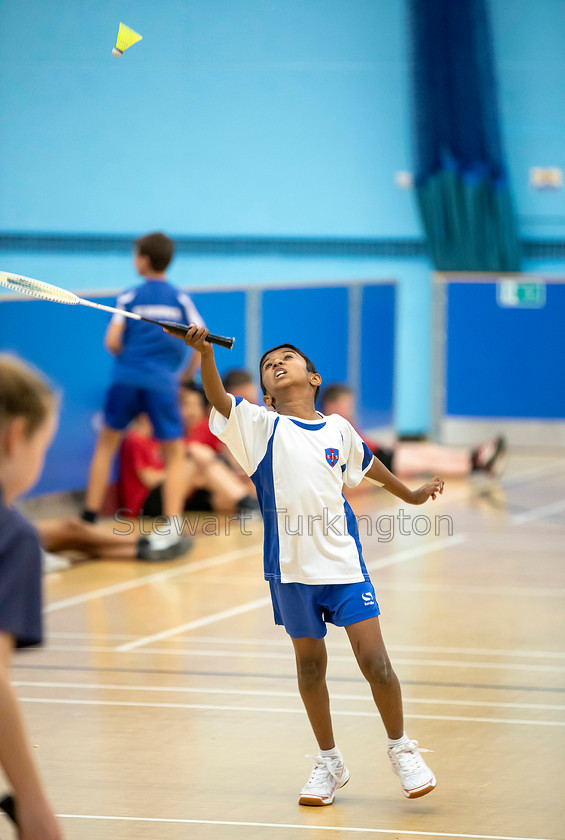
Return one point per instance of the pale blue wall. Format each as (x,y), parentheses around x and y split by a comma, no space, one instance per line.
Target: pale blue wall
(529,38)
(251,117)
(230,117)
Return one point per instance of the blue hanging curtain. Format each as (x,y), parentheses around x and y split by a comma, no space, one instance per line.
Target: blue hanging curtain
(461,182)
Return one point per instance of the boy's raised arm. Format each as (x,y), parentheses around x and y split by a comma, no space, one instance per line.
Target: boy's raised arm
(379,473)
(213,387)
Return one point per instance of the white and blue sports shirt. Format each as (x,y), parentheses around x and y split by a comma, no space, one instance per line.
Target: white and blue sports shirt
(299,468)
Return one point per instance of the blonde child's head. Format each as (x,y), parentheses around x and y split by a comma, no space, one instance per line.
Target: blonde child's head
(28,418)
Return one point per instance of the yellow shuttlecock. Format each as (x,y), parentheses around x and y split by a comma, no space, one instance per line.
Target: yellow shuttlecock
(126,37)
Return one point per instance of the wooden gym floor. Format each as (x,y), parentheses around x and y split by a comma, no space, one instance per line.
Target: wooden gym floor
(164,704)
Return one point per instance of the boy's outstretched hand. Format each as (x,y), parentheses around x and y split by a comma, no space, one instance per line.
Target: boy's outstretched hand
(215,392)
(432,488)
(196,338)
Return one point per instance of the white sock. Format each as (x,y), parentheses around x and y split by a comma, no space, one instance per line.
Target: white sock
(333,753)
(399,742)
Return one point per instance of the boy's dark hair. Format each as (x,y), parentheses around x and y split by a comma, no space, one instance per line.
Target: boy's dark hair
(158,247)
(195,389)
(310,366)
(334,392)
(235,377)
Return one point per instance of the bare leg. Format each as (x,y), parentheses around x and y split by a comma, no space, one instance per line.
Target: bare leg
(217,477)
(106,448)
(311,661)
(92,540)
(225,486)
(175,484)
(413,459)
(370,652)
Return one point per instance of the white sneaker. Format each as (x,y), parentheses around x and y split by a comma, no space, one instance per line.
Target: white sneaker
(327,776)
(416,777)
(53,562)
(160,547)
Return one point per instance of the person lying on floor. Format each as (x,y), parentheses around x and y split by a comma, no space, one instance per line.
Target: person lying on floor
(210,484)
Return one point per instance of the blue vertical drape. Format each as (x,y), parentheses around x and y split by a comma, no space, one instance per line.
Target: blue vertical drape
(461,182)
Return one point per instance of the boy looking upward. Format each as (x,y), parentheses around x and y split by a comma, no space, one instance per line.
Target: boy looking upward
(299,460)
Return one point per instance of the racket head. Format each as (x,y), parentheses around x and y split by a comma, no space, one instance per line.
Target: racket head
(36,288)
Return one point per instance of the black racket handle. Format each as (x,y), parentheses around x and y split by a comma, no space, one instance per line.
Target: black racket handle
(8,805)
(180,330)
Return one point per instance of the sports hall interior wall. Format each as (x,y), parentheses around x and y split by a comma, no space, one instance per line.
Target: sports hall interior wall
(244,125)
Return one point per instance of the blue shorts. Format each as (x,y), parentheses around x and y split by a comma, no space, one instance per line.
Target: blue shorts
(124,403)
(304,610)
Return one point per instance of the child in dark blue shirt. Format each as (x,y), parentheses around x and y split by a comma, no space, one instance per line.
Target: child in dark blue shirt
(28,417)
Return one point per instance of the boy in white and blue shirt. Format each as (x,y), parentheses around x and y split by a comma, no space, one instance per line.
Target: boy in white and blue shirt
(299,460)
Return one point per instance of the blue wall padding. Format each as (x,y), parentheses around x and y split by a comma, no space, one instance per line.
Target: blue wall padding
(504,362)
(315,320)
(65,342)
(224,314)
(377,356)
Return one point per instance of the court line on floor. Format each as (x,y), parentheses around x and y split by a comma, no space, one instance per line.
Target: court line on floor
(526,476)
(198,622)
(191,567)
(218,579)
(532,473)
(390,560)
(512,591)
(333,643)
(442,588)
(303,827)
(231,654)
(134,583)
(241,692)
(67,701)
(291,675)
(538,513)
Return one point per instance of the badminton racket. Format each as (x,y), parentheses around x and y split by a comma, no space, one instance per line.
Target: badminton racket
(46,291)
(8,805)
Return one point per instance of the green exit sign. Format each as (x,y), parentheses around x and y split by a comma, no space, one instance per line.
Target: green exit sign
(520,293)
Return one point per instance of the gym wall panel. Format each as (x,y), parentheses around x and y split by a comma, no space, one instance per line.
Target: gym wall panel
(504,362)
(66,344)
(376,381)
(224,314)
(315,320)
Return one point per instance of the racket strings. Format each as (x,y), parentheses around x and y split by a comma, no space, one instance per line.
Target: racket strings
(37,288)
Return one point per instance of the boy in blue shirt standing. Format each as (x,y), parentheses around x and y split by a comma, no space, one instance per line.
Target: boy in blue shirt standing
(145,379)
(299,461)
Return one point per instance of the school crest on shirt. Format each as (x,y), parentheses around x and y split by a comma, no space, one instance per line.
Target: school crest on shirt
(332,456)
